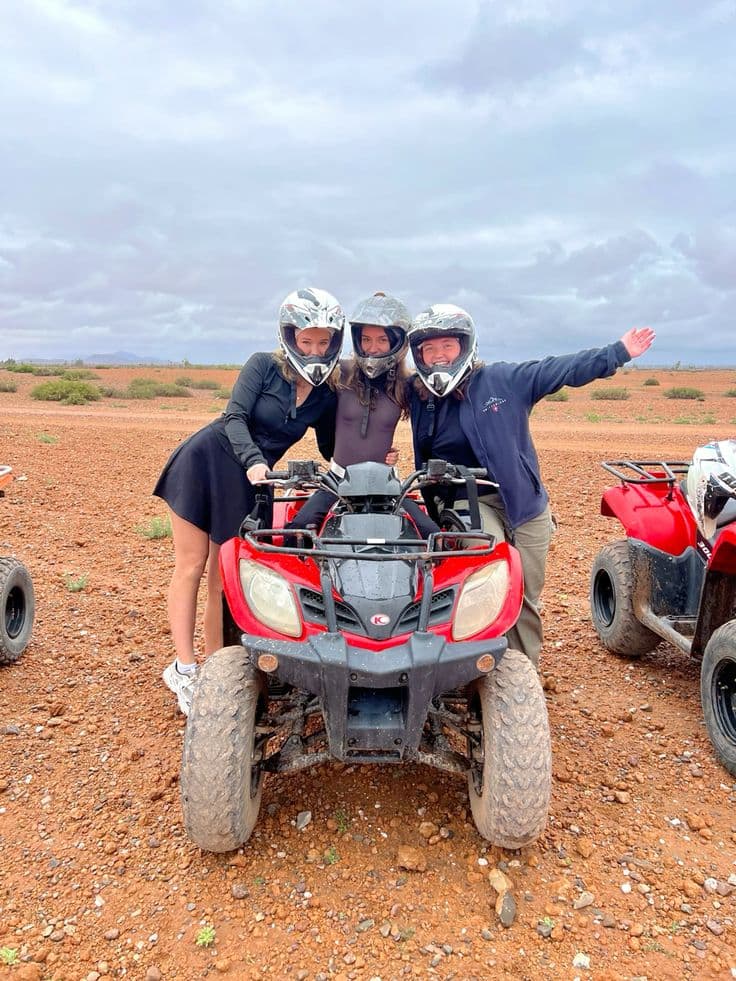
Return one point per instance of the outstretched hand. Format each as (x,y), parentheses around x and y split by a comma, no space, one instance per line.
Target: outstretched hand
(638,340)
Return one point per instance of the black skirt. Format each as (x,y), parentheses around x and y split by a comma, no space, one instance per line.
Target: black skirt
(207,486)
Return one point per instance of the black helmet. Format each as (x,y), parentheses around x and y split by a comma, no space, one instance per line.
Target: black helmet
(311,308)
(384,311)
(443,320)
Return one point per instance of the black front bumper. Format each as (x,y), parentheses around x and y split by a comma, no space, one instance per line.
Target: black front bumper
(375,703)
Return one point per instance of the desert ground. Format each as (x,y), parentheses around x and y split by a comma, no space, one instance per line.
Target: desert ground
(634,877)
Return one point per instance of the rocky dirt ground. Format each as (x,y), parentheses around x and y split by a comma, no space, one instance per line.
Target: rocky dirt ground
(634,876)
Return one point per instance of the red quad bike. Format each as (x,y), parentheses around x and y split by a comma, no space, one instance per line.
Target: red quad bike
(666,581)
(366,644)
(17,604)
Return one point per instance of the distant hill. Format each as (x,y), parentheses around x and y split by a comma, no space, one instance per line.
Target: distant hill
(121,357)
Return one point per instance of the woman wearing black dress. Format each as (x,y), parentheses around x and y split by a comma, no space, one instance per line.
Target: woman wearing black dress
(208,481)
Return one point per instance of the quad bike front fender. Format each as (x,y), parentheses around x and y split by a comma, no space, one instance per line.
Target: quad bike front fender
(375,704)
(654,514)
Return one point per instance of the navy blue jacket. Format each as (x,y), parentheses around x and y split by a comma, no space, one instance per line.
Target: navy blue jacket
(494,415)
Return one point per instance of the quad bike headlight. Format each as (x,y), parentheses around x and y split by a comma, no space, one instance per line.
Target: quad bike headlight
(481,600)
(270,598)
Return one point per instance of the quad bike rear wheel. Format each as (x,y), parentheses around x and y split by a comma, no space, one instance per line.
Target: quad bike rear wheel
(718,693)
(611,604)
(221,778)
(510,788)
(17,609)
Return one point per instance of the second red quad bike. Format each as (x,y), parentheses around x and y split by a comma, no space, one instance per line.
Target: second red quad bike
(17,603)
(673,577)
(366,644)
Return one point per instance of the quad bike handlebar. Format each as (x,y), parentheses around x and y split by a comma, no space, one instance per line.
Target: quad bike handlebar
(303,475)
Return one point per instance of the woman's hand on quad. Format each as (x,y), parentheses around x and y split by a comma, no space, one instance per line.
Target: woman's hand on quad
(392,457)
(257,473)
(638,340)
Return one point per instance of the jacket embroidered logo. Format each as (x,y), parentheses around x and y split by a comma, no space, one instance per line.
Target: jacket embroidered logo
(492,403)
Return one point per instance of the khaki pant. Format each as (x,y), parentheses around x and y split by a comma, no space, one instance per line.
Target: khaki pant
(532,542)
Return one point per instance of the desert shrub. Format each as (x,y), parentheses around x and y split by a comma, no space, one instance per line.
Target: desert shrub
(8,386)
(155,528)
(66,392)
(75,584)
(610,394)
(731,393)
(223,393)
(20,367)
(682,392)
(110,392)
(149,388)
(79,374)
(47,370)
(208,384)
(562,396)
(651,381)
(48,438)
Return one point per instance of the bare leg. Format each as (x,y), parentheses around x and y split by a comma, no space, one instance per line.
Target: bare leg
(213,607)
(191,547)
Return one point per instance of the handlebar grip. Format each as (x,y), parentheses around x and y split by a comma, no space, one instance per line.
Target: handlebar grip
(277,475)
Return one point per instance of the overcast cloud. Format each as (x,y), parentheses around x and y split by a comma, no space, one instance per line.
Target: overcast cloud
(170,170)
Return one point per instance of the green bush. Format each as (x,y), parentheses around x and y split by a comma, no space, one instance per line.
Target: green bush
(8,386)
(731,393)
(223,393)
(20,367)
(149,388)
(208,384)
(155,528)
(66,392)
(79,374)
(562,396)
(610,394)
(694,394)
(651,381)
(47,370)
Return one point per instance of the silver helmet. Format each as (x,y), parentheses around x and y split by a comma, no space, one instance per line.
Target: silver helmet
(443,320)
(381,310)
(311,308)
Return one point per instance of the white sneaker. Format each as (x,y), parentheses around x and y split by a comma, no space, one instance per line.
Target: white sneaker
(182,686)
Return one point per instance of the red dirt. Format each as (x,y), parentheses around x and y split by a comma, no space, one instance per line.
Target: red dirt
(97,878)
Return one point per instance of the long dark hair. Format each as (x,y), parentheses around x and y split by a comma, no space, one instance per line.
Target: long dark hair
(395,383)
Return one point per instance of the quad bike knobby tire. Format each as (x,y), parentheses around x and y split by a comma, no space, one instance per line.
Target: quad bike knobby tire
(17,608)
(718,693)
(511,801)
(221,780)
(611,607)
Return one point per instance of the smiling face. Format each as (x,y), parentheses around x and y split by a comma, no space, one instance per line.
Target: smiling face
(374,341)
(313,342)
(440,351)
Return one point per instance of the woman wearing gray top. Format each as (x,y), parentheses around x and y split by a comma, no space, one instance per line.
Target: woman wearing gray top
(372,395)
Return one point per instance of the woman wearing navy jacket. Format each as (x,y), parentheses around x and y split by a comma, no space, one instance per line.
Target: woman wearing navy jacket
(208,480)
(477,415)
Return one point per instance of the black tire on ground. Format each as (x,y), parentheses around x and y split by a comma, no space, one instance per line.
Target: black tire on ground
(718,693)
(510,805)
(611,608)
(17,609)
(221,783)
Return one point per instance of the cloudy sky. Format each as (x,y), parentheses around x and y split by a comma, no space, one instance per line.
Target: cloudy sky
(170,169)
